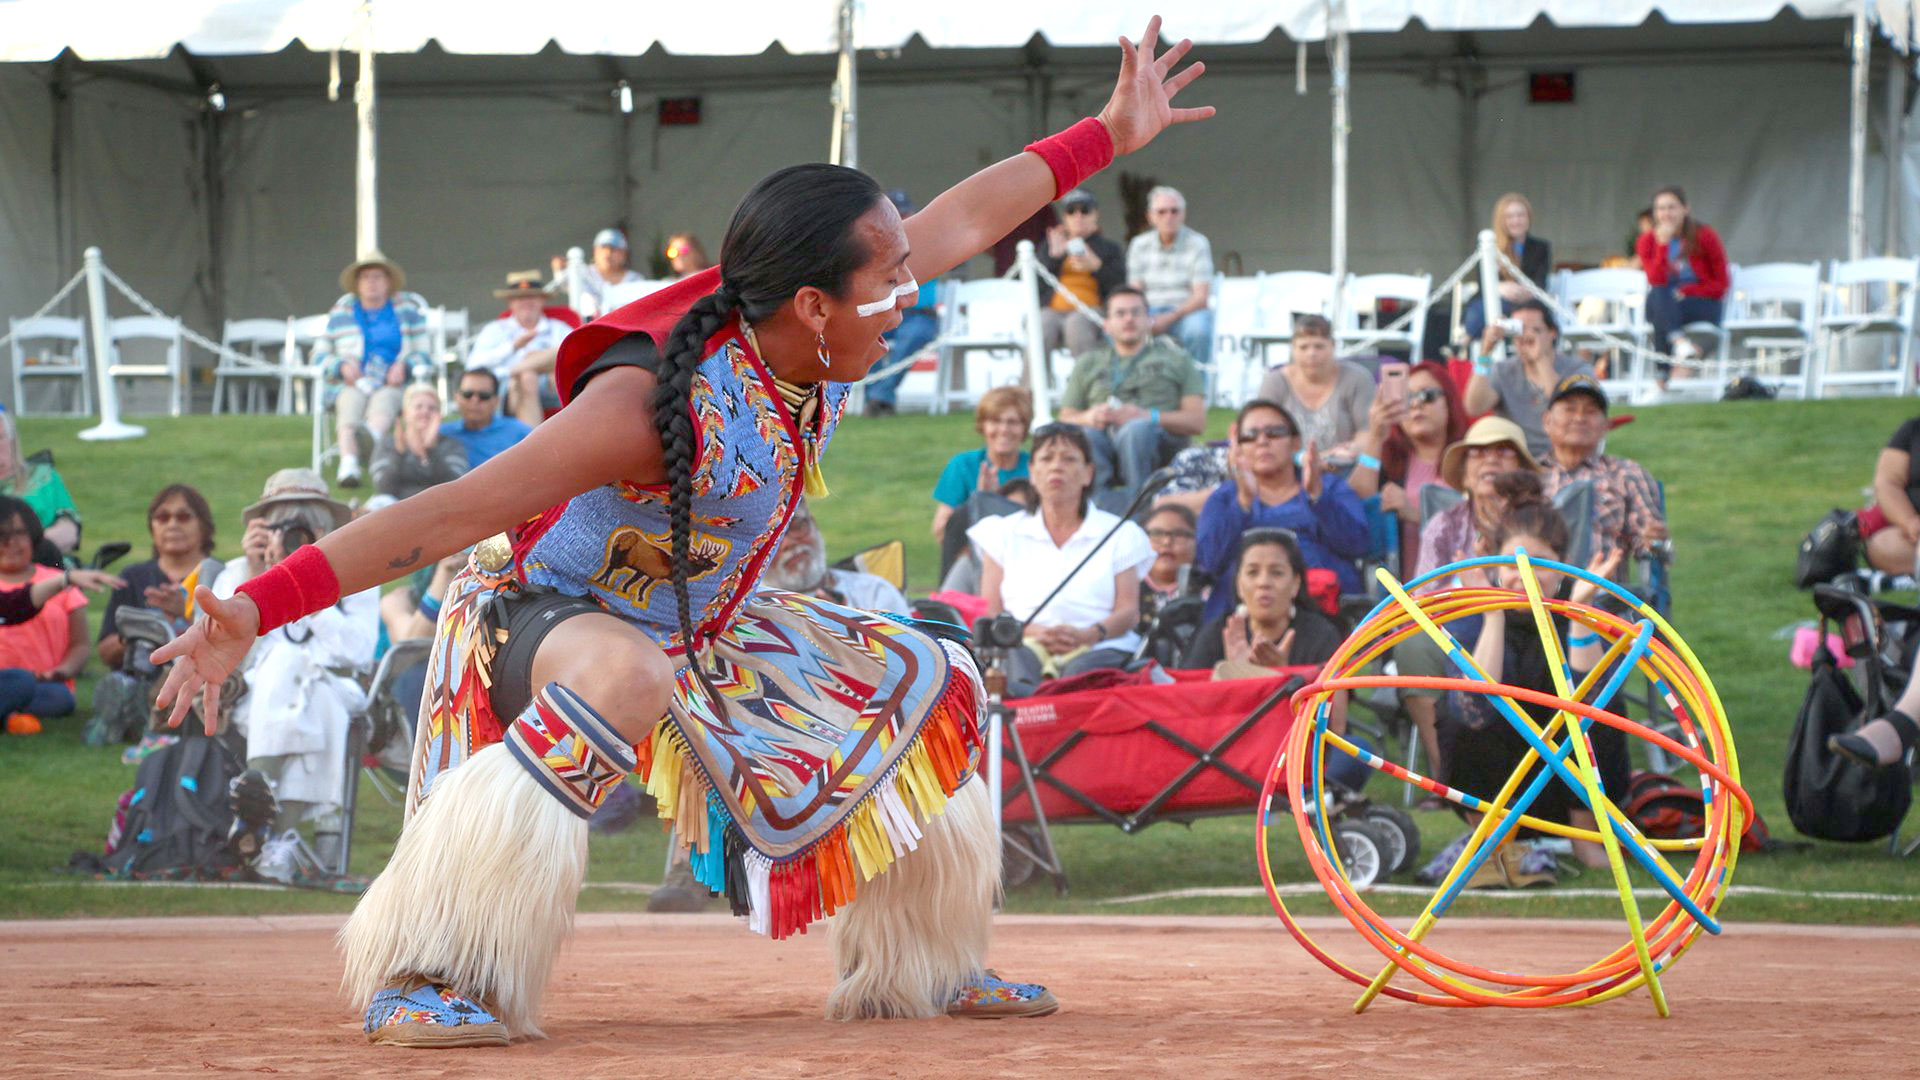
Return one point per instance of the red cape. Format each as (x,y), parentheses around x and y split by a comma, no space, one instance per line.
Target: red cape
(653,315)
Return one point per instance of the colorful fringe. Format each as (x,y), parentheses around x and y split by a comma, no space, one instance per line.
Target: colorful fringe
(782,897)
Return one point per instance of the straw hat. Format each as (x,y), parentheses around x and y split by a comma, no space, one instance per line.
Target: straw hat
(521,283)
(1486,431)
(373,258)
(297,486)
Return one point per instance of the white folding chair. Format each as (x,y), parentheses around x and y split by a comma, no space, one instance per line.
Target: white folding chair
(1364,292)
(60,352)
(1283,297)
(258,367)
(448,341)
(1236,314)
(1608,301)
(148,336)
(988,315)
(1869,296)
(1773,308)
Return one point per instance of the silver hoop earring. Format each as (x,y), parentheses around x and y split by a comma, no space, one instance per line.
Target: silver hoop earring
(820,348)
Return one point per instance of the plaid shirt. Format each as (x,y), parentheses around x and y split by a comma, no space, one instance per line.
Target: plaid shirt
(1625,500)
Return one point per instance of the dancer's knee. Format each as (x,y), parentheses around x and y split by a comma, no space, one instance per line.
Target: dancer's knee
(616,670)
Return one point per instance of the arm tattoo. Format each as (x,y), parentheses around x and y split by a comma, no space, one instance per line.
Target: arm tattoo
(406,560)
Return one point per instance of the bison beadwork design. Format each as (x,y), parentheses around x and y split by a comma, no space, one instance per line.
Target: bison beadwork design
(646,561)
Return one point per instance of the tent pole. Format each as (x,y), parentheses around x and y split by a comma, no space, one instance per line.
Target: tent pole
(63,231)
(366,205)
(845,146)
(1338,57)
(1896,146)
(1857,137)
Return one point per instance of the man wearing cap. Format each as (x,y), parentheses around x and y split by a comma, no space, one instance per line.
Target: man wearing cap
(520,348)
(1518,386)
(919,325)
(1173,266)
(376,335)
(1626,501)
(301,692)
(1088,266)
(609,268)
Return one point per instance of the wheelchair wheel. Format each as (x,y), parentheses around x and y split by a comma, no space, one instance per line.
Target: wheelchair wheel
(1359,845)
(1401,835)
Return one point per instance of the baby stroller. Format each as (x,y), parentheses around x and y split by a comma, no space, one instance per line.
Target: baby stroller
(1827,796)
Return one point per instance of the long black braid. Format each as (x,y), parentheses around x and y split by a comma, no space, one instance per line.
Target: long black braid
(794,229)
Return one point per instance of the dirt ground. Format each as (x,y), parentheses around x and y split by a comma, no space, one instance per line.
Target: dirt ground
(697,996)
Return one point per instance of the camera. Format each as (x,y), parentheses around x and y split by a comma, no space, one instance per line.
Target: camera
(1511,327)
(293,536)
(1076,246)
(998,632)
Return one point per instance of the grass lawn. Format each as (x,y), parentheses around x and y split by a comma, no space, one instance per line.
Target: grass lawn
(1744,481)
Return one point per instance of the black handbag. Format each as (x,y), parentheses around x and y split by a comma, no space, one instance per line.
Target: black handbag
(1830,550)
(1830,797)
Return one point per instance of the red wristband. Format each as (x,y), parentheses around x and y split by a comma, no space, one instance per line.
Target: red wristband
(302,584)
(1076,153)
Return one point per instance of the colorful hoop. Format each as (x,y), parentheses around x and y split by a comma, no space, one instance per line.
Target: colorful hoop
(1649,646)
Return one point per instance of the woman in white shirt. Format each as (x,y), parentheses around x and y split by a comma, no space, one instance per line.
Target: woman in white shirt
(1090,624)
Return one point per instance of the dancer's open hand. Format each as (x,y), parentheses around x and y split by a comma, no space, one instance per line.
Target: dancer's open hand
(207,653)
(1142,103)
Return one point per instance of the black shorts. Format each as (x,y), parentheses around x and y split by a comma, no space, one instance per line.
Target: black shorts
(528,616)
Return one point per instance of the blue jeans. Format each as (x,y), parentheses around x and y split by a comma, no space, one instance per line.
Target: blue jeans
(915,330)
(1473,317)
(1668,311)
(21,692)
(1194,332)
(1129,453)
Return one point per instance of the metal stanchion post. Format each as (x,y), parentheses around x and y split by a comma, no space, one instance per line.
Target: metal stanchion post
(109,426)
(1036,343)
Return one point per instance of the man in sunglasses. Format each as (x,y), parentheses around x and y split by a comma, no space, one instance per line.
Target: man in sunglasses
(481,426)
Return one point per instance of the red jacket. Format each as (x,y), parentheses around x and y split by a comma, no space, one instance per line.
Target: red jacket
(1709,263)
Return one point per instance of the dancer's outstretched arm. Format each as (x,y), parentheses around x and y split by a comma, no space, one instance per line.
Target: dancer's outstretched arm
(606,434)
(974,214)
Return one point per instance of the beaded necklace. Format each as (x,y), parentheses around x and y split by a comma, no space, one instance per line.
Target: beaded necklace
(803,402)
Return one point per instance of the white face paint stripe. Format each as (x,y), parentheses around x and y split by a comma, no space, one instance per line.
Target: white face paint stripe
(887,302)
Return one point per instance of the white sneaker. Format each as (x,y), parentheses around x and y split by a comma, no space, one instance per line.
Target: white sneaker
(349,475)
(279,856)
(1685,351)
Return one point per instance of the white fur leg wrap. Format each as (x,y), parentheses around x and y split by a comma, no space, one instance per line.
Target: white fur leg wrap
(479,893)
(920,930)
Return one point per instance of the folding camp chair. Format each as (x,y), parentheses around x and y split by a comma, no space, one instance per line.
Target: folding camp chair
(1134,756)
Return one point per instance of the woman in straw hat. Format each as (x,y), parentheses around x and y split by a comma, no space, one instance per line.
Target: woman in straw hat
(814,758)
(376,335)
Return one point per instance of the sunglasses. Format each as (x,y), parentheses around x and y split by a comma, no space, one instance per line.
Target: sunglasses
(1426,397)
(1169,534)
(1274,432)
(162,517)
(1080,209)
(477,395)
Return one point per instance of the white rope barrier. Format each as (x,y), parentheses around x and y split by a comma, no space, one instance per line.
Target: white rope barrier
(72,284)
(186,331)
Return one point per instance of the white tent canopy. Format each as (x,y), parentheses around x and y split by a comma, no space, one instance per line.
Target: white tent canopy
(501,140)
(114,30)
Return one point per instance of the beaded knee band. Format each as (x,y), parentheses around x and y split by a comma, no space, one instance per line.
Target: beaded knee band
(577,756)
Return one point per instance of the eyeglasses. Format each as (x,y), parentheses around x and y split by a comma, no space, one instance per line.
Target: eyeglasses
(1274,432)
(1157,535)
(477,395)
(162,517)
(1081,208)
(1165,210)
(1426,397)
(1501,449)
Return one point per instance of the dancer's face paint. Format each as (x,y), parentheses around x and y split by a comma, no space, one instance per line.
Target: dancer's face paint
(888,302)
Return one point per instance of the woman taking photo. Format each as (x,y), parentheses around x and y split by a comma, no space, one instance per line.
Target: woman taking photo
(1023,557)
(1266,489)
(1687,278)
(1401,452)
